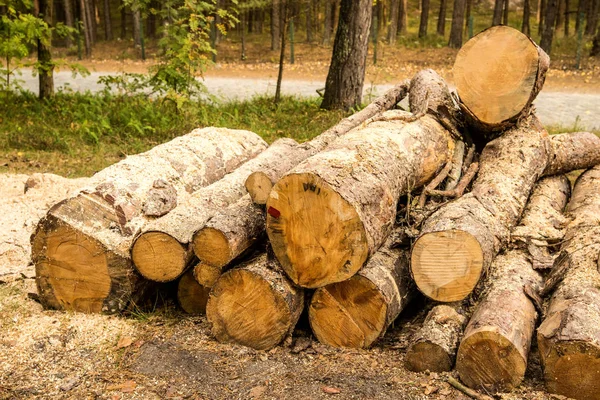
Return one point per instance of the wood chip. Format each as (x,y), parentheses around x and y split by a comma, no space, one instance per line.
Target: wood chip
(331,390)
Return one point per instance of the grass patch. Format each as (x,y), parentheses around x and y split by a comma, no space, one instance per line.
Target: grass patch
(76,134)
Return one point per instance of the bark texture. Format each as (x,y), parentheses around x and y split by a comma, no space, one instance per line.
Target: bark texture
(458,21)
(569,152)
(569,336)
(424,20)
(80,247)
(550,16)
(162,250)
(46,67)
(334,209)
(434,346)
(254,305)
(358,311)
(344,84)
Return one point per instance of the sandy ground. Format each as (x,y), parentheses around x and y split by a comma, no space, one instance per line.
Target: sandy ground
(165,354)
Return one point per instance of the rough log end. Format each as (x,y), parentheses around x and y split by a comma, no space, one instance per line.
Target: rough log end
(348,314)
(447,265)
(317,236)
(159,257)
(211,246)
(259,186)
(206,274)
(427,356)
(192,296)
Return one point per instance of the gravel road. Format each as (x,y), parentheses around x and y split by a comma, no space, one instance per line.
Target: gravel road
(553,108)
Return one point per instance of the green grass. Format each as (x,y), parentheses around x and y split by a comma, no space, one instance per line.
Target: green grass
(77,134)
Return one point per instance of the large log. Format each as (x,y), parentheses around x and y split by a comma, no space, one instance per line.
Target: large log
(460,240)
(80,248)
(254,305)
(434,346)
(358,311)
(496,93)
(493,352)
(569,336)
(327,215)
(162,250)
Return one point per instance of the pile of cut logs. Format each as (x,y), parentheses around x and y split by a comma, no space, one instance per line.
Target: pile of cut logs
(463,199)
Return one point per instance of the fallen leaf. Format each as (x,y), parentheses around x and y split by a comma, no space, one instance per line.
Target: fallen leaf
(331,390)
(124,341)
(257,391)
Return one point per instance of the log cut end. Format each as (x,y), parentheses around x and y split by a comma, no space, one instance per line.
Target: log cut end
(211,246)
(259,186)
(159,257)
(348,314)
(317,236)
(71,268)
(428,356)
(192,296)
(206,274)
(493,83)
(487,360)
(446,265)
(244,308)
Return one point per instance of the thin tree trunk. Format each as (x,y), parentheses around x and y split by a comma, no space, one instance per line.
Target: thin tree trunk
(46,68)
(505,15)
(468,15)
(86,28)
(560,14)
(275,25)
(549,22)
(567,18)
(441,23)
(108,33)
(69,20)
(309,33)
(456,31)
(424,18)
(92,11)
(581,8)
(283,11)
(150,25)
(328,22)
(393,28)
(497,18)
(402,17)
(596,45)
(542,16)
(343,88)
(123,21)
(526,16)
(592,18)
(137,25)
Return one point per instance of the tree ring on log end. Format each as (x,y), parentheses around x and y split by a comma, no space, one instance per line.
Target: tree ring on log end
(259,186)
(192,296)
(348,314)
(159,257)
(71,268)
(243,308)
(423,356)
(446,265)
(317,236)
(487,359)
(211,246)
(495,74)
(206,274)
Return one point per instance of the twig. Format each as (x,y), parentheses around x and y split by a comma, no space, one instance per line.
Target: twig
(469,158)
(459,190)
(469,392)
(434,183)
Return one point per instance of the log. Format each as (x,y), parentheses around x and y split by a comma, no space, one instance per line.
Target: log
(327,215)
(254,305)
(191,296)
(358,311)
(577,150)
(207,274)
(569,336)
(460,240)
(162,250)
(493,352)
(434,346)
(260,183)
(496,93)
(80,248)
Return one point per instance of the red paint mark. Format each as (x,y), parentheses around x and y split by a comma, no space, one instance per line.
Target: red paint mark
(273,212)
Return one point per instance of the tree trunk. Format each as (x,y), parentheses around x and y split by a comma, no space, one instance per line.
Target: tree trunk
(254,305)
(592,19)
(434,346)
(191,296)
(275,25)
(393,27)
(137,27)
(123,34)
(595,52)
(495,347)
(344,85)
(328,22)
(505,13)
(353,213)
(525,28)
(81,247)
(46,67)
(441,23)
(424,18)
(151,25)
(163,249)
(569,337)
(468,16)
(403,17)
(560,14)
(549,22)
(358,311)
(93,13)
(567,18)
(86,27)
(541,16)
(108,33)
(497,18)
(581,8)
(459,241)
(456,31)
(487,107)
(69,20)
(309,29)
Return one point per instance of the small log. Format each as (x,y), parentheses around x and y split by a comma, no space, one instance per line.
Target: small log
(162,250)
(434,346)
(569,336)
(498,92)
(191,296)
(358,311)
(254,305)
(207,274)
(577,150)
(327,215)
(80,248)
(260,183)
